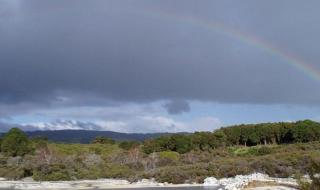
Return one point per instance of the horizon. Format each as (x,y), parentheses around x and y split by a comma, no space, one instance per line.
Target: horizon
(157,67)
(34,129)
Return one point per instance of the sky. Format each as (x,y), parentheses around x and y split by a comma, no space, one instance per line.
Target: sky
(157,66)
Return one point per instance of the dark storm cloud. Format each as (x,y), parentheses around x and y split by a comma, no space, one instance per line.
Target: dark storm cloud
(119,50)
(177,106)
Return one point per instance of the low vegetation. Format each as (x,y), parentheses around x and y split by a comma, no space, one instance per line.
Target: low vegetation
(314,175)
(279,150)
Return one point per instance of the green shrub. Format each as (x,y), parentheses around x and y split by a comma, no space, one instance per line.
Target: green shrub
(91,173)
(313,171)
(240,151)
(175,176)
(53,172)
(81,149)
(127,145)
(167,158)
(117,171)
(264,150)
(13,173)
(174,156)
(102,140)
(252,151)
(57,176)
(303,183)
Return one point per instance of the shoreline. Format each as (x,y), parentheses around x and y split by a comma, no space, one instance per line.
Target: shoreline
(88,184)
(238,182)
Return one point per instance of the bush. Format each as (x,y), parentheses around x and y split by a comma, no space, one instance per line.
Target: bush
(52,172)
(117,171)
(92,173)
(174,156)
(175,176)
(167,158)
(13,173)
(303,183)
(313,171)
(272,166)
(264,150)
(127,145)
(252,151)
(102,140)
(240,151)
(39,142)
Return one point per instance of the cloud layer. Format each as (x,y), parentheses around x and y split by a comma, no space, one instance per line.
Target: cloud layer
(119,50)
(146,124)
(73,54)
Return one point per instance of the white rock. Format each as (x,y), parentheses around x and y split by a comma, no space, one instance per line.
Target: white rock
(211,181)
(240,181)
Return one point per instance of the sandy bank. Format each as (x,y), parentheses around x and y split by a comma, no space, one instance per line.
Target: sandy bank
(254,181)
(87,184)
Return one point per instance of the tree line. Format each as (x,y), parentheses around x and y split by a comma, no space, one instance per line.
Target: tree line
(245,135)
(16,143)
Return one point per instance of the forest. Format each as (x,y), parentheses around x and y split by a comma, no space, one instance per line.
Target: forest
(245,135)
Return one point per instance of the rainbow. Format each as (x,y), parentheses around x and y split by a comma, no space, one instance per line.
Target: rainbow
(247,38)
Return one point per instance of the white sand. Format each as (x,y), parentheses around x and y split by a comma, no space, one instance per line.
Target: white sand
(242,181)
(236,183)
(272,188)
(86,184)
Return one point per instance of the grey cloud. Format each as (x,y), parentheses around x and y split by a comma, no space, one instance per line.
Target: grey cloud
(123,51)
(66,124)
(177,106)
(139,124)
(54,125)
(145,124)
(4,127)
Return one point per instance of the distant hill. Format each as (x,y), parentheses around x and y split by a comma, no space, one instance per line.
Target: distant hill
(85,136)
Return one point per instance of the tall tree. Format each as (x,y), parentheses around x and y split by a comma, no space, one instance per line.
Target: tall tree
(15,143)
